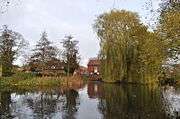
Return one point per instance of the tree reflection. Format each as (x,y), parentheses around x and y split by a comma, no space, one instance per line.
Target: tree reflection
(5,101)
(47,105)
(43,106)
(113,101)
(71,106)
(131,101)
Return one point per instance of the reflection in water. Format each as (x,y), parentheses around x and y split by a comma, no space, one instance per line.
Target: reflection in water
(94,101)
(39,105)
(131,101)
(70,107)
(95,89)
(5,101)
(171,101)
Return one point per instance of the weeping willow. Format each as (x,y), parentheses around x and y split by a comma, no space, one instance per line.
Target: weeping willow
(128,51)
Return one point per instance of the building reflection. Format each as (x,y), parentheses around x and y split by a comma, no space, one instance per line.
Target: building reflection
(95,89)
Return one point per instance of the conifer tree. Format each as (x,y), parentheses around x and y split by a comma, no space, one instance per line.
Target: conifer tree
(43,54)
(70,54)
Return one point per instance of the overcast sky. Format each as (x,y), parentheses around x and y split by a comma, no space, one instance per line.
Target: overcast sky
(63,17)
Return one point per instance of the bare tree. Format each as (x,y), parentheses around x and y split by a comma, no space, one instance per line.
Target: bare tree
(4,4)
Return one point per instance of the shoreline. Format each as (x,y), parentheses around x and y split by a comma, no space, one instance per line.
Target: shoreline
(30,82)
(40,82)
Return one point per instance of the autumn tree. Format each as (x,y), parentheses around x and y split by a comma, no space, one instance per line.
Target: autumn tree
(169,27)
(168,5)
(70,54)
(129,52)
(11,43)
(43,54)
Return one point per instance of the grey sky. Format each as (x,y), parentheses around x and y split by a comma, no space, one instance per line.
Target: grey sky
(64,17)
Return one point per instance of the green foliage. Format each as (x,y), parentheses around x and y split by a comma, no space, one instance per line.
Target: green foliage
(169,28)
(23,76)
(11,44)
(129,52)
(28,80)
(70,54)
(43,55)
(14,79)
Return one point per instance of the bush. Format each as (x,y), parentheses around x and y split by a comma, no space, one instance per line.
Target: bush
(23,76)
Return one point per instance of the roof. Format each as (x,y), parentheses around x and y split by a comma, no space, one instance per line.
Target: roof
(82,68)
(93,62)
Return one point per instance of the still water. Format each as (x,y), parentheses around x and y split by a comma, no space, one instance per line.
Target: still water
(93,100)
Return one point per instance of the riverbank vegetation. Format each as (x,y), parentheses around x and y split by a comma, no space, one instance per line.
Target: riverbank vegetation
(28,81)
(132,52)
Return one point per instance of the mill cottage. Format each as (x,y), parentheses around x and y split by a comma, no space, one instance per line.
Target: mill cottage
(94,68)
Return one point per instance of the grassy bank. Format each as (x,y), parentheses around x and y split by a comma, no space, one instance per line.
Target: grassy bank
(30,81)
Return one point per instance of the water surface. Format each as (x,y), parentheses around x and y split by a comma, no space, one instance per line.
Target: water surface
(93,100)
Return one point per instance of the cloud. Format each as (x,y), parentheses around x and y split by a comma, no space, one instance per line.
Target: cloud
(61,17)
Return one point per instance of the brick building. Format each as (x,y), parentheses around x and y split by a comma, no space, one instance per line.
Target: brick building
(94,69)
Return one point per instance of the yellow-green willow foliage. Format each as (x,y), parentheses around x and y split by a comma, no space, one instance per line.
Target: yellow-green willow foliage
(129,52)
(169,29)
